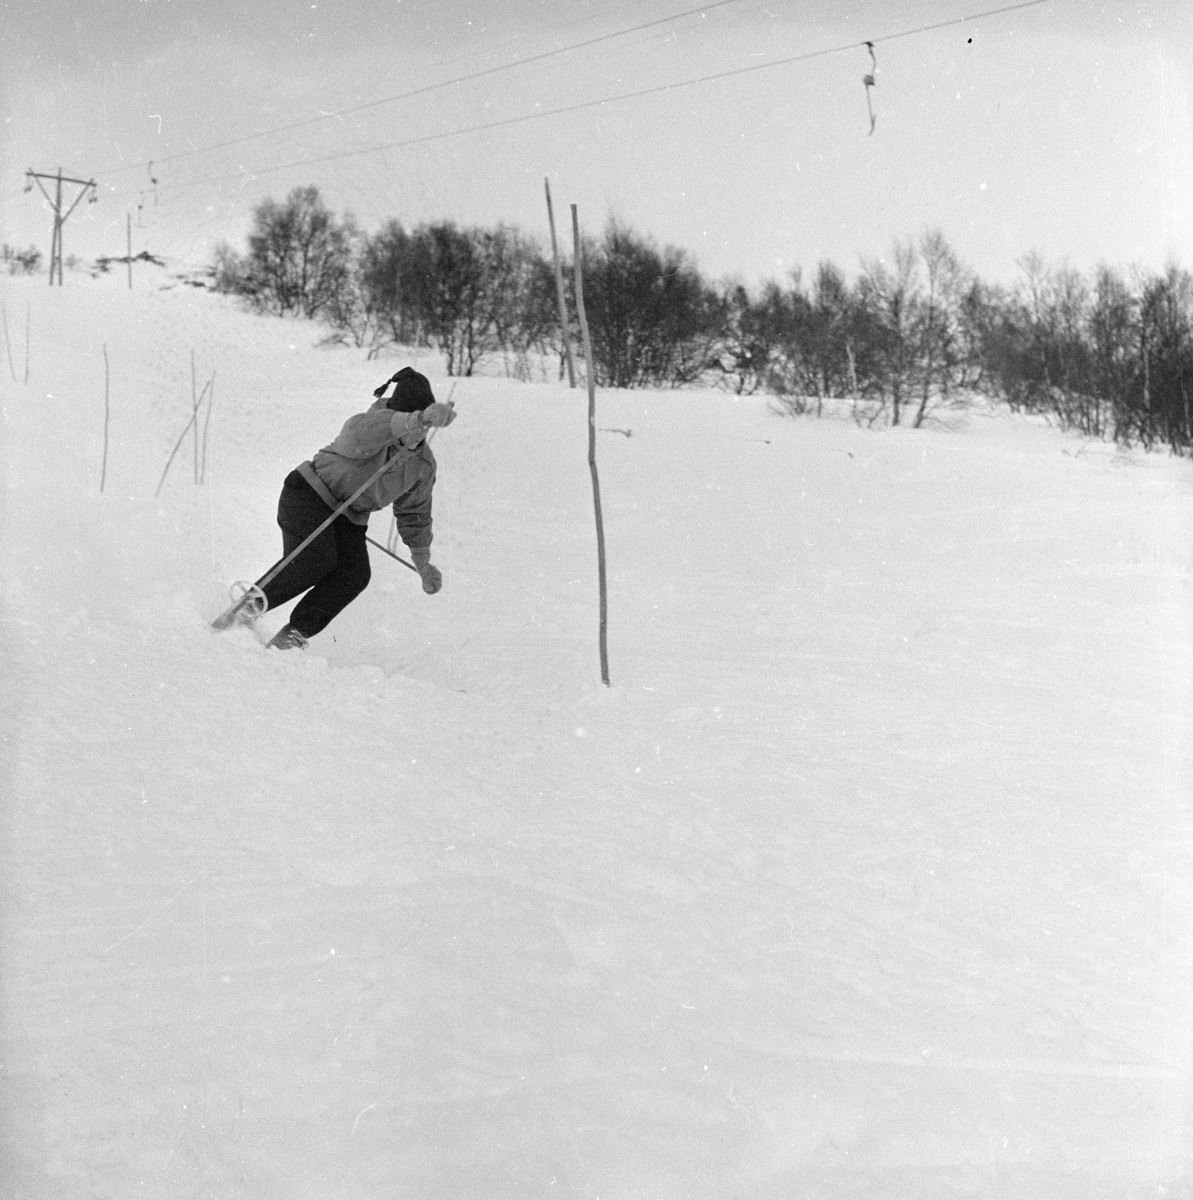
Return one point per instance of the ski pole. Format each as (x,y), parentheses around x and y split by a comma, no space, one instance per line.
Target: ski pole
(239,603)
(388,551)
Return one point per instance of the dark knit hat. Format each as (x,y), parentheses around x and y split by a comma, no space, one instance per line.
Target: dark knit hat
(412,391)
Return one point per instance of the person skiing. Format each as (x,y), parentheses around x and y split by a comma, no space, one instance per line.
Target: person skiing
(334,568)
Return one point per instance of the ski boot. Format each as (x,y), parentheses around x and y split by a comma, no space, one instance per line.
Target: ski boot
(288,638)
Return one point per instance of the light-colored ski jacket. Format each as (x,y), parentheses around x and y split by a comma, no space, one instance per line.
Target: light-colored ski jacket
(366,441)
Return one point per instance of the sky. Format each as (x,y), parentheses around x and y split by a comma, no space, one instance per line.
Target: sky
(1063,128)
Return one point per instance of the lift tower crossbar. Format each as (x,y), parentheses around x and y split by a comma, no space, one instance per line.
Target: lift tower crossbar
(55,203)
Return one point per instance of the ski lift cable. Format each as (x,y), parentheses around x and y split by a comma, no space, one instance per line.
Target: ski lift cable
(422,91)
(244,173)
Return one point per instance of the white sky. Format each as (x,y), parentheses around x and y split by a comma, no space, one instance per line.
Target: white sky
(1063,128)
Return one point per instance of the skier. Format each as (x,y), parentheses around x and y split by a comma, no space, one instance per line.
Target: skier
(334,569)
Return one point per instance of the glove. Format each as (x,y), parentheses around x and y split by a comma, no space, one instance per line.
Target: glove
(438,414)
(432,578)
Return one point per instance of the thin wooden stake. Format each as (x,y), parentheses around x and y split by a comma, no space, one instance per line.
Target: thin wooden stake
(7,343)
(103,472)
(563,308)
(177,445)
(195,414)
(592,466)
(206,427)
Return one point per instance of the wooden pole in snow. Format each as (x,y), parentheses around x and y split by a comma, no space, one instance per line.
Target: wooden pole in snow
(7,343)
(195,411)
(103,472)
(178,444)
(563,308)
(206,428)
(592,466)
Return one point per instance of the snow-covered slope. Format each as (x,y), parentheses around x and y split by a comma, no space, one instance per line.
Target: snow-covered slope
(869,877)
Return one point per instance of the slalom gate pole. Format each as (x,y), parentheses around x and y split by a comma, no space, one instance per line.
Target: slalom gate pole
(592,465)
(277,567)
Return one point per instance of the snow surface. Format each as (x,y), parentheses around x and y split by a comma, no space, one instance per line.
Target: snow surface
(869,877)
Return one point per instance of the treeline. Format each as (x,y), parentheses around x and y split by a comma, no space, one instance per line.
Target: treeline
(1109,356)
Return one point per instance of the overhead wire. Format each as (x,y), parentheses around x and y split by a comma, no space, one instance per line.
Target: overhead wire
(422,91)
(580,106)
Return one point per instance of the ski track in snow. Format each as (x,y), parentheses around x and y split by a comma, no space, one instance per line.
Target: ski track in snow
(869,877)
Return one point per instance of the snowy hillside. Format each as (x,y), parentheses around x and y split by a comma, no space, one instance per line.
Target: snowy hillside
(870,877)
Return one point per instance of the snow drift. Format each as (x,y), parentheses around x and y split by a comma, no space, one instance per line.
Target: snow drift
(870,876)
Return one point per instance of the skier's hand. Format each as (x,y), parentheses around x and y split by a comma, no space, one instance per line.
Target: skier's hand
(438,414)
(432,578)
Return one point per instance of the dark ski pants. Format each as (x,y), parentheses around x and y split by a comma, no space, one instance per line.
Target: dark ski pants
(333,570)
